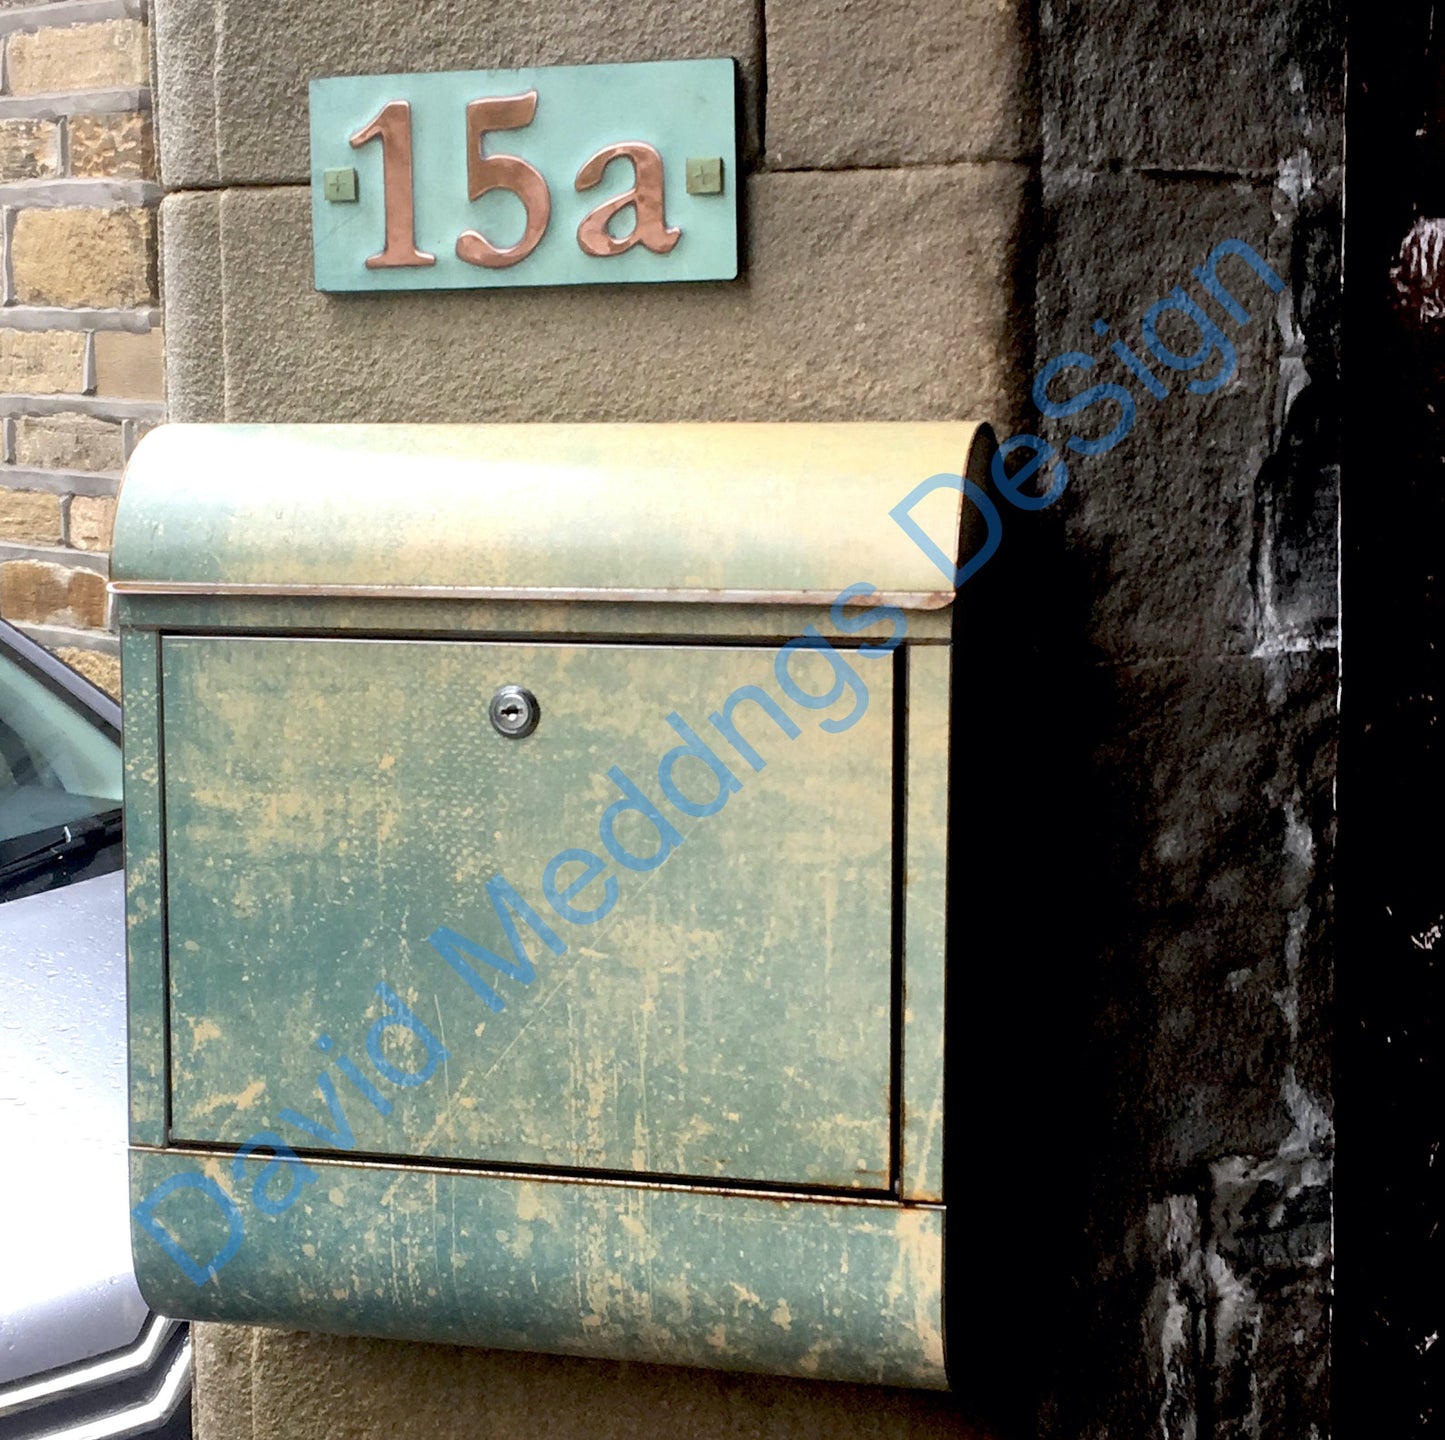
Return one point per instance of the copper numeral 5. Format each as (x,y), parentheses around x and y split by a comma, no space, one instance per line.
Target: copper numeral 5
(503,172)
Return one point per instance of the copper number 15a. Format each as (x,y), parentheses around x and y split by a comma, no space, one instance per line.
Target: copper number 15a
(392,126)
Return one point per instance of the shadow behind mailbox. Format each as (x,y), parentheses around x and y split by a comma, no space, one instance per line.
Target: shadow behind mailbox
(537,847)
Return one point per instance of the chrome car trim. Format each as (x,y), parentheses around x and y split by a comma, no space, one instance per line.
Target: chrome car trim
(135,1358)
(138,1419)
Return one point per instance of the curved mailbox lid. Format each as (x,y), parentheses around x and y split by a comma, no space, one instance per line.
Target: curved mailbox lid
(720,512)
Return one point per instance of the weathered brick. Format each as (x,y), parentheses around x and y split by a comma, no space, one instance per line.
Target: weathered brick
(40,593)
(130,367)
(29,515)
(84,257)
(135,432)
(42,362)
(102,670)
(109,55)
(119,145)
(29,149)
(91,520)
(68,442)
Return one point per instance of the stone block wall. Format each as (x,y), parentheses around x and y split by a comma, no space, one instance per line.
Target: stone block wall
(1201,568)
(843,314)
(940,199)
(81,366)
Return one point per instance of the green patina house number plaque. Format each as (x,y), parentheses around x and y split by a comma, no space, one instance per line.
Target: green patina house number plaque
(556,175)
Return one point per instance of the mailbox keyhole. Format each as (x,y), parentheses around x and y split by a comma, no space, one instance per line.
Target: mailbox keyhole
(514,712)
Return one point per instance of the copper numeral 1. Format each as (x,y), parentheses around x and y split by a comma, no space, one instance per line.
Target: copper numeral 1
(393,128)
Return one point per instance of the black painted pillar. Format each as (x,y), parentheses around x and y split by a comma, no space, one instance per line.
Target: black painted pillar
(1390,1344)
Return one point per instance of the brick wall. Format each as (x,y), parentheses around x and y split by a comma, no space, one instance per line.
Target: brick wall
(81,374)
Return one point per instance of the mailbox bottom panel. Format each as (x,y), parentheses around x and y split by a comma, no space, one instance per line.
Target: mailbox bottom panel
(736,1282)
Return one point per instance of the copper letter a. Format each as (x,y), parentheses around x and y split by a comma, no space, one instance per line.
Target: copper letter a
(649,228)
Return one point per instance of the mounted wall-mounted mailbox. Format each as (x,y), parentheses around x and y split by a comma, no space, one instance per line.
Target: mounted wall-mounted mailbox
(537,846)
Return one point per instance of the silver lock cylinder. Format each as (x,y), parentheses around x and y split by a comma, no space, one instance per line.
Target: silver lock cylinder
(514,712)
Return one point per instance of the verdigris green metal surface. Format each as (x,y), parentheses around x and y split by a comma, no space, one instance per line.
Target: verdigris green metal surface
(925,914)
(681,108)
(502,619)
(330,803)
(145,912)
(606,1271)
(769,513)
(314,788)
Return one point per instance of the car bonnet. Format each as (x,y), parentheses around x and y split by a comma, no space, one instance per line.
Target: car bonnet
(67,1285)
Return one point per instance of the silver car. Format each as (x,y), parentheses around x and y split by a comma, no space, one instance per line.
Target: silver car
(81,1357)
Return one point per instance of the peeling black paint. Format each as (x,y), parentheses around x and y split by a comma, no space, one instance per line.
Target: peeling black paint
(1295,561)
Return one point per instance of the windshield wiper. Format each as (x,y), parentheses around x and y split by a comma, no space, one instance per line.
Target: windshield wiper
(62,842)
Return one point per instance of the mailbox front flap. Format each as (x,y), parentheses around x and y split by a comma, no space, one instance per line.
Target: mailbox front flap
(729,513)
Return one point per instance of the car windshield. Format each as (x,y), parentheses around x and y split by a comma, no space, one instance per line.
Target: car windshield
(60,785)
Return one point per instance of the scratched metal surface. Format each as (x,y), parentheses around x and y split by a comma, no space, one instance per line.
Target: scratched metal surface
(925,914)
(730,1020)
(329,803)
(826,1291)
(497,619)
(144,899)
(772,508)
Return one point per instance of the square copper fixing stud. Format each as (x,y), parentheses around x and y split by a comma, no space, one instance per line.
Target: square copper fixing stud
(705,175)
(339,185)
